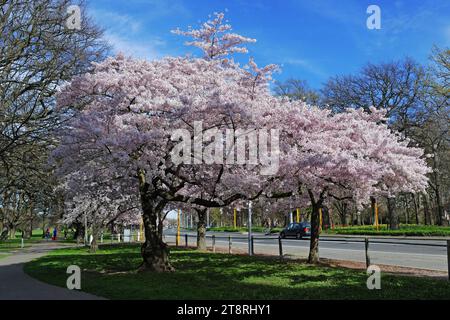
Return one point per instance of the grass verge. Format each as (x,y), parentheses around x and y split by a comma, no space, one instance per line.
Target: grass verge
(111,273)
(405,230)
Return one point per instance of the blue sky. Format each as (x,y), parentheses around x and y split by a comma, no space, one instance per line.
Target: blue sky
(309,39)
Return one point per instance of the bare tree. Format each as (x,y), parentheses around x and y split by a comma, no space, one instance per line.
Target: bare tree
(395,87)
(38,52)
(296,89)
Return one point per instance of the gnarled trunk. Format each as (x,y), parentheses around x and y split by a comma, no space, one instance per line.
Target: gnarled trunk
(314,241)
(94,244)
(373,203)
(201,229)
(315,225)
(154,251)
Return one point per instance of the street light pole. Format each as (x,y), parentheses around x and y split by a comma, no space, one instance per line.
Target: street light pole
(85,229)
(249,225)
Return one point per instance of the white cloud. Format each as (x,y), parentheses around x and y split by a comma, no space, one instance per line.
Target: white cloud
(306,65)
(138,49)
(117,22)
(126,34)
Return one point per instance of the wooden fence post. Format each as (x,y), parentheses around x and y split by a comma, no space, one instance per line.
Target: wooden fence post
(280,247)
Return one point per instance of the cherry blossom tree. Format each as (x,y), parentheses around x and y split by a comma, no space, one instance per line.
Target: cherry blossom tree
(215,38)
(352,155)
(133,118)
(126,112)
(92,198)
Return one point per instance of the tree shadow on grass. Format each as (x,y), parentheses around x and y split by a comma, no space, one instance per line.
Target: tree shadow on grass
(203,275)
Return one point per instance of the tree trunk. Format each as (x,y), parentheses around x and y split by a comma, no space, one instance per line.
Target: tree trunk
(43,225)
(439,208)
(341,208)
(154,251)
(201,229)
(416,202)
(407,210)
(12,233)
(373,203)
(426,210)
(315,224)
(394,223)
(94,245)
(314,241)
(4,233)
(30,235)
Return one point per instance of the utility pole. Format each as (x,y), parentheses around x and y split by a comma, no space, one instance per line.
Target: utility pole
(249,225)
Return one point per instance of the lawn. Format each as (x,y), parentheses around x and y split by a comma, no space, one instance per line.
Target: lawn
(405,230)
(111,273)
(15,244)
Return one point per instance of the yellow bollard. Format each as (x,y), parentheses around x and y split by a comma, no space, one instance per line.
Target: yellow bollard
(320,219)
(234,221)
(141,231)
(298,215)
(376,216)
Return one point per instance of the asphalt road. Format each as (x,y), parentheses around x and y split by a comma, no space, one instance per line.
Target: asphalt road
(413,253)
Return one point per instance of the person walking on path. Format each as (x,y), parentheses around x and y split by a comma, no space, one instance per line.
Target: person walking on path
(55,233)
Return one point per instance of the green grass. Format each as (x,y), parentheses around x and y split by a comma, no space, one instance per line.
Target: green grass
(111,273)
(405,230)
(15,244)
(3,255)
(243,229)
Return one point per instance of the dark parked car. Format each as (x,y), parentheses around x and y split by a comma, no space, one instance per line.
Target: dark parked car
(297,230)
